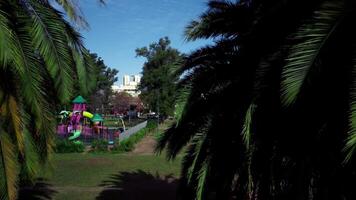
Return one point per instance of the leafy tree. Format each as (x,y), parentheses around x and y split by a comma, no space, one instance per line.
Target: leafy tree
(288,69)
(159,78)
(106,77)
(41,55)
(123,102)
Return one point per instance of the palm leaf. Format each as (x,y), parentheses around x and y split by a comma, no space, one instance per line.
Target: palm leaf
(350,147)
(50,40)
(246,131)
(73,11)
(202,180)
(5,38)
(8,167)
(311,38)
(14,111)
(223,18)
(30,159)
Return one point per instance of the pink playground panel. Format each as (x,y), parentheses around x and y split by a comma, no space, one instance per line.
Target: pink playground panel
(86,131)
(62,129)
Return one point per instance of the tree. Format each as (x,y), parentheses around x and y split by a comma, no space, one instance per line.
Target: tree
(159,78)
(123,102)
(288,67)
(106,77)
(41,55)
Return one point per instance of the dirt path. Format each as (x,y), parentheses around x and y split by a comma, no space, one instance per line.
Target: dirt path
(145,147)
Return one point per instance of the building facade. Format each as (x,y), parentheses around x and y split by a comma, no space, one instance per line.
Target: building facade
(130,85)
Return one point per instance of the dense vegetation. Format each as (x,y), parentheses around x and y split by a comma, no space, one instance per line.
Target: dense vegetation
(128,144)
(159,79)
(41,57)
(101,95)
(269,110)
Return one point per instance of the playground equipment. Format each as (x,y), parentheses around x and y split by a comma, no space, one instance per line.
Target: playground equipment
(82,124)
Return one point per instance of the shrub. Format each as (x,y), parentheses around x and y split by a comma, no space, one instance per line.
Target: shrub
(66,146)
(128,144)
(99,145)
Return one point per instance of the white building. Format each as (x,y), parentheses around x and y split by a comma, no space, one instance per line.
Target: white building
(130,84)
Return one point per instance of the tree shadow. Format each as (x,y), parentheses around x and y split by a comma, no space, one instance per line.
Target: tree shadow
(39,190)
(139,185)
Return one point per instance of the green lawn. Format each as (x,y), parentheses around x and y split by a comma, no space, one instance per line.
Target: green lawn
(81,176)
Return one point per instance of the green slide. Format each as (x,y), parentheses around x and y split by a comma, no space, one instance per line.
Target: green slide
(75,135)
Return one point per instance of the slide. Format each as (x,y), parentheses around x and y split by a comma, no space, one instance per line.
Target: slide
(87,114)
(75,135)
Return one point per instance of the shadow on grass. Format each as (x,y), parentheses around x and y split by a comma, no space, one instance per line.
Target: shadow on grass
(39,190)
(139,185)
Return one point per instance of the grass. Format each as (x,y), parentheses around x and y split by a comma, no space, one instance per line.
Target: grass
(107,175)
(79,175)
(128,144)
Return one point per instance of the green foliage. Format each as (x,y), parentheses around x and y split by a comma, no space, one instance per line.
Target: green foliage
(66,146)
(99,145)
(128,144)
(41,57)
(158,83)
(106,77)
(268,110)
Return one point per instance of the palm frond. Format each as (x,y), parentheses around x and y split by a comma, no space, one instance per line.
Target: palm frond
(16,117)
(350,146)
(31,162)
(246,131)
(8,167)
(73,11)
(223,18)
(310,39)
(5,38)
(51,42)
(202,180)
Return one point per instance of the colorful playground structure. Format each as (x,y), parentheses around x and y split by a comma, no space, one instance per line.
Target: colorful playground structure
(83,125)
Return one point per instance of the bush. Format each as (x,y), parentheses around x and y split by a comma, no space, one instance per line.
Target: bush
(66,146)
(151,125)
(128,144)
(99,145)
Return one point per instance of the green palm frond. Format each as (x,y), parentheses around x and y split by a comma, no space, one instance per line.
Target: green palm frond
(41,56)
(87,77)
(13,110)
(51,42)
(202,180)
(73,11)
(8,167)
(223,18)
(246,131)
(181,103)
(30,164)
(310,39)
(5,38)
(350,147)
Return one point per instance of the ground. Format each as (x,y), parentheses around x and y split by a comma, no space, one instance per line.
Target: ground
(136,175)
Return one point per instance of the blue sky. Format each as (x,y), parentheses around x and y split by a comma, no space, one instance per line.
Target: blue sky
(121,26)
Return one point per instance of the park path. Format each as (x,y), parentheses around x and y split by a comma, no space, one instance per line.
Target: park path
(147,145)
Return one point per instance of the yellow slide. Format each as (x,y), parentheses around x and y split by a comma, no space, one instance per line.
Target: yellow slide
(87,114)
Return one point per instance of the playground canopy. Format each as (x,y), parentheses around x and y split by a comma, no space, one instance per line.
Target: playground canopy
(79,99)
(97,118)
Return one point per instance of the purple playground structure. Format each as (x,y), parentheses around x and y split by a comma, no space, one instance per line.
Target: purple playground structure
(83,125)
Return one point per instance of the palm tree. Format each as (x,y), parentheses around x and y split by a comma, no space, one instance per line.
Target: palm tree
(41,56)
(269,110)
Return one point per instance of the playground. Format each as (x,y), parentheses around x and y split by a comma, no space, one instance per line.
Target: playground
(88,176)
(135,174)
(81,126)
